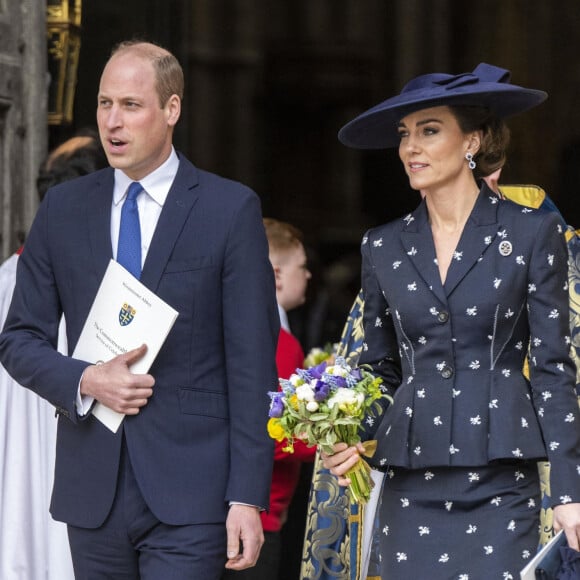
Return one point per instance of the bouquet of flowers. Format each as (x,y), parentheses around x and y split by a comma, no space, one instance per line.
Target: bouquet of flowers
(324,405)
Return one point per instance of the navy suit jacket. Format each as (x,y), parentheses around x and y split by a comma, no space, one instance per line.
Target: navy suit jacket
(201,440)
(452,354)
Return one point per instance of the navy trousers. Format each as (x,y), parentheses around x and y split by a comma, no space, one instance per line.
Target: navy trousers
(133,544)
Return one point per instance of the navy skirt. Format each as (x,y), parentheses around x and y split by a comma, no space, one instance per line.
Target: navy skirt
(457,523)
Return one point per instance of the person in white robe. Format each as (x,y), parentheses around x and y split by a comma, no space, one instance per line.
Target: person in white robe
(33,546)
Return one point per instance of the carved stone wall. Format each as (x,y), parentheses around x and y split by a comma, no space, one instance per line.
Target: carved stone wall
(22,116)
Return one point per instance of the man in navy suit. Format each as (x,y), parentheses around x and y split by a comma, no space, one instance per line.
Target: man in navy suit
(192,454)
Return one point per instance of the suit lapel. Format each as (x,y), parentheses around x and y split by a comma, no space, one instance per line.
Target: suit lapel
(100,199)
(417,240)
(181,198)
(478,234)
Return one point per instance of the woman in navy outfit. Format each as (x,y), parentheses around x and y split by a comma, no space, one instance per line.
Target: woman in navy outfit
(458,294)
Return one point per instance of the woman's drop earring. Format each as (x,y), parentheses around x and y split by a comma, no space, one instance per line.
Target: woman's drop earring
(470,161)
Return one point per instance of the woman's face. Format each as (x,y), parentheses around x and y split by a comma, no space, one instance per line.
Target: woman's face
(433,148)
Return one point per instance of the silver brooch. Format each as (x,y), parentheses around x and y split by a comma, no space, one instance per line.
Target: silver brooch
(505,248)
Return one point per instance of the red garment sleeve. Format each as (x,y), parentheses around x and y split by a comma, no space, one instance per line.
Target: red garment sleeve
(289,357)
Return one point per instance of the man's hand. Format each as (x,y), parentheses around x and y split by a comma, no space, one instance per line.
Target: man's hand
(114,385)
(245,536)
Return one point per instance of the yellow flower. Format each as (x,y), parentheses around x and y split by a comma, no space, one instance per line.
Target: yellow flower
(294,402)
(275,430)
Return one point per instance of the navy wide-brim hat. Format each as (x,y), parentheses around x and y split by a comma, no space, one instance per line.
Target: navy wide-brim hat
(487,86)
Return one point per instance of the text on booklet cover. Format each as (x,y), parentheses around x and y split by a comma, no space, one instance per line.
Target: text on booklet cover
(125,314)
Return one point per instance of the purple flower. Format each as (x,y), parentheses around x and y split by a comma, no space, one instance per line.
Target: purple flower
(276,404)
(321,390)
(317,371)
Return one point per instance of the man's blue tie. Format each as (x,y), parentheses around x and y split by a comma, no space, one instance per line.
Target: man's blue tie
(129,247)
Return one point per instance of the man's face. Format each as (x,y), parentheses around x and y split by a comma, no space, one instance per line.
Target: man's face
(135,130)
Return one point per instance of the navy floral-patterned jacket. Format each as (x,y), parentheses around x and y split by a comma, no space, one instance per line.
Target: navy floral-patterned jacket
(452,354)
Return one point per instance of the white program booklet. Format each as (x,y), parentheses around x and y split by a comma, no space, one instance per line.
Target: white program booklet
(124,315)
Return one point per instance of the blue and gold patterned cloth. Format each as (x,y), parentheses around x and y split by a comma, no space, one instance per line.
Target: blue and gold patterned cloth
(333,540)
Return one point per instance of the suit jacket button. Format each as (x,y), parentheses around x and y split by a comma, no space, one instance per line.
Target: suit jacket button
(443,316)
(447,372)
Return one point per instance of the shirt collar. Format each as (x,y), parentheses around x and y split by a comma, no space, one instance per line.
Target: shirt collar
(283,319)
(156,184)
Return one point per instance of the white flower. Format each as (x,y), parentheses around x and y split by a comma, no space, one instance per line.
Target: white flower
(345,396)
(520,260)
(412,287)
(496,283)
(473,476)
(565,499)
(396,264)
(378,243)
(554,314)
(471,529)
(404,502)
(448,505)
(424,531)
(496,501)
(472,311)
(475,420)
(444,558)
(517,452)
(551,259)
(569,418)
(401,556)
(305,393)
(312,406)
(488,550)
(554,445)
(474,365)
